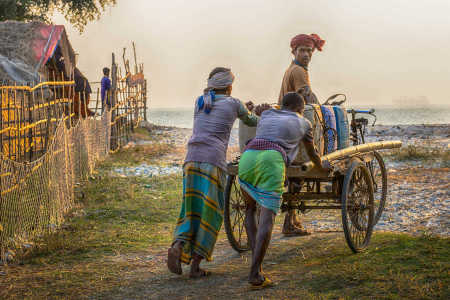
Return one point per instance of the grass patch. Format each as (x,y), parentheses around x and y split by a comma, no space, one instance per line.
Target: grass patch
(118,216)
(417,153)
(396,266)
(149,153)
(139,154)
(143,134)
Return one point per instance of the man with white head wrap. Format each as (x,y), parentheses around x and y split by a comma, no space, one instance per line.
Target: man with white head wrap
(204,173)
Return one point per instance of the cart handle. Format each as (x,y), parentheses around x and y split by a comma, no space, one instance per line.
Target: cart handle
(361,111)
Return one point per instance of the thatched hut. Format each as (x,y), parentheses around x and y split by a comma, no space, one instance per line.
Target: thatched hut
(32,52)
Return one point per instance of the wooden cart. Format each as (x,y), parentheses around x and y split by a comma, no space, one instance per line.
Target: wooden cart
(357,186)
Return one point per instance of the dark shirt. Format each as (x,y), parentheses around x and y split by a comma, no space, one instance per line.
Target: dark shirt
(81,83)
(105,87)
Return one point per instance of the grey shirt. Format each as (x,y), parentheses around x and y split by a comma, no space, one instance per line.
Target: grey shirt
(285,128)
(211,132)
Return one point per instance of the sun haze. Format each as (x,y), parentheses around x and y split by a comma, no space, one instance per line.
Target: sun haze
(385,52)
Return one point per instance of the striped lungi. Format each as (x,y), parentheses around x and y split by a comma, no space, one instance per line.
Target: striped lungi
(201,212)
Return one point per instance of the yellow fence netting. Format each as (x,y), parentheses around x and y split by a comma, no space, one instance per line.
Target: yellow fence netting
(47,149)
(35,196)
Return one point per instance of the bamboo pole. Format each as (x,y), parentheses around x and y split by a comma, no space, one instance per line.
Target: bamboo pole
(145,100)
(30,121)
(96,101)
(363,148)
(17,119)
(47,132)
(9,123)
(135,60)
(1,123)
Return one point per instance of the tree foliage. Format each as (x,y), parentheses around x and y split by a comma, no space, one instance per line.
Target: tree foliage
(77,12)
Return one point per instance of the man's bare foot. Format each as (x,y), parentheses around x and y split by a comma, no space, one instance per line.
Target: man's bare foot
(173,258)
(293,231)
(290,228)
(196,271)
(199,273)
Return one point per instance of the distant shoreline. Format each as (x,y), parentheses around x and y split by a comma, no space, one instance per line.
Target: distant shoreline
(438,129)
(183,118)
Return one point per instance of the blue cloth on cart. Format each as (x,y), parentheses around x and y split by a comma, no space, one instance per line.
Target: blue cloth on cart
(342,127)
(330,123)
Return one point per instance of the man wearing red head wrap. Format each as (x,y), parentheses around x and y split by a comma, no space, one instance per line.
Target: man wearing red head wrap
(296,79)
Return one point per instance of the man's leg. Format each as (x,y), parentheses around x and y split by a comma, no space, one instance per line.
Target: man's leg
(266,220)
(292,224)
(250,222)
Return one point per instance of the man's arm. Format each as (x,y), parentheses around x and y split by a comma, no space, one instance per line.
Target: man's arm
(299,79)
(246,117)
(308,141)
(312,153)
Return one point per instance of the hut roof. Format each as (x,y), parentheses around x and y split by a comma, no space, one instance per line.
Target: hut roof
(25,48)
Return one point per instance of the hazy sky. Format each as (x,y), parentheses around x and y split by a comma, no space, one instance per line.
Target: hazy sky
(376,52)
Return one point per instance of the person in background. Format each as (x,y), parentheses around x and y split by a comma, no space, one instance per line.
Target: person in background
(204,173)
(296,79)
(105,88)
(262,173)
(82,94)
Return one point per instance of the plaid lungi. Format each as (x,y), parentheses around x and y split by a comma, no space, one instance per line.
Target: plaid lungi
(201,212)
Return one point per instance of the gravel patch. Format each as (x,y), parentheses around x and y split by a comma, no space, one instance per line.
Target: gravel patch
(145,170)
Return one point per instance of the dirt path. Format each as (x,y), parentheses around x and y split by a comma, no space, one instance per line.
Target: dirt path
(229,271)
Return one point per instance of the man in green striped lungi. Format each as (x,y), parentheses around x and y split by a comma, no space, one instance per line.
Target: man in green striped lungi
(262,172)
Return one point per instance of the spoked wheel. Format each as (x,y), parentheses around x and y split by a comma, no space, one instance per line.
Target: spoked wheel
(379,178)
(234,215)
(357,206)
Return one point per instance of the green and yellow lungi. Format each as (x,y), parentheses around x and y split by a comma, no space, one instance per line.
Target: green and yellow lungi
(262,175)
(201,213)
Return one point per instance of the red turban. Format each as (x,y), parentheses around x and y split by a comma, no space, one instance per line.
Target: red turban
(313,40)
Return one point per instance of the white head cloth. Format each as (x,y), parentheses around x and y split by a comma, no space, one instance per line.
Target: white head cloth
(219,81)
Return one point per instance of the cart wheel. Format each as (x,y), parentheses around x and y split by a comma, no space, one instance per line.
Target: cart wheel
(234,215)
(357,206)
(379,177)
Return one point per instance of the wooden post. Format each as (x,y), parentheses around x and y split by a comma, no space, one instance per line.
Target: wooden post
(79,106)
(47,131)
(135,60)
(96,101)
(1,123)
(145,100)
(38,115)
(18,125)
(113,100)
(71,96)
(9,123)
(30,122)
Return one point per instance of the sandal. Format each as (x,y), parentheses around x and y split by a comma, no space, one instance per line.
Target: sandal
(173,261)
(266,283)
